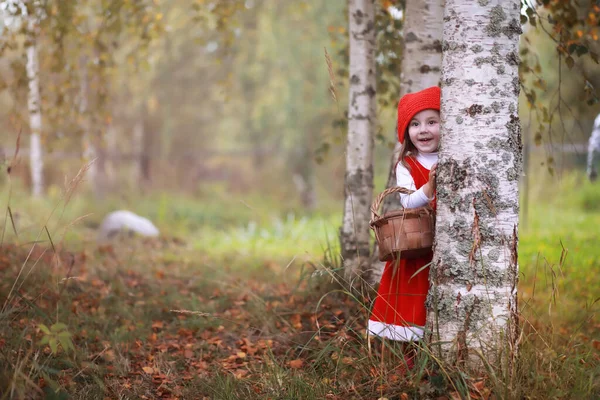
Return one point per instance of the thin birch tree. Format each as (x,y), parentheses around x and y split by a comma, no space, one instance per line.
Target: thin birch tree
(421,59)
(88,143)
(474,272)
(355,233)
(34,102)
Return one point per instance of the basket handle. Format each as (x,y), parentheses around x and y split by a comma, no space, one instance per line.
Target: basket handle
(382,195)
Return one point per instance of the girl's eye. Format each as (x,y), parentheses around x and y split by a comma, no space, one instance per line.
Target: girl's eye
(414,124)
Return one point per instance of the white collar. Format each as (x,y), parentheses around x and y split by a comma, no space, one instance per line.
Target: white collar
(427,159)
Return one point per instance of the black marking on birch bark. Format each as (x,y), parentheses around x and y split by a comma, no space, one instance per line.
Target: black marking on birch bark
(515,141)
(477,48)
(410,37)
(497,16)
(435,46)
(369,91)
(474,109)
(513,28)
(359,180)
(358,17)
(354,80)
(452,175)
(516,87)
(512,58)
(479,61)
(453,46)
(470,82)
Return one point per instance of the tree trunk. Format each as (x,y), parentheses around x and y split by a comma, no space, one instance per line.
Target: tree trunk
(34,101)
(111,155)
(87,139)
(474,272)
(138,150)
(354,233)
(421,61)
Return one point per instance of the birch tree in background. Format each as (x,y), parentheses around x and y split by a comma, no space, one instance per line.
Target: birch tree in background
(355,233)
(421,60)
(89,147)
(473,298)
(34,102)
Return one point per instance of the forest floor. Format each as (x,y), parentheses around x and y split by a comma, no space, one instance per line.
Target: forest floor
(260,315)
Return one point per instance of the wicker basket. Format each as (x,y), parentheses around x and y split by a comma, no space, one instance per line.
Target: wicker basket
(407,232)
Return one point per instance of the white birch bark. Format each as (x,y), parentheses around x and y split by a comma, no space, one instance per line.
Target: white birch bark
(89,147)
(421,57)
(355,233)
(473,298)
(34,102)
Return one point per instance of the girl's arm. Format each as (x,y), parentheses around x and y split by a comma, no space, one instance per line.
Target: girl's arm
(416,199)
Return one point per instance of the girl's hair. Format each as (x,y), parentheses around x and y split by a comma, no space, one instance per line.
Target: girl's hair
(407,149)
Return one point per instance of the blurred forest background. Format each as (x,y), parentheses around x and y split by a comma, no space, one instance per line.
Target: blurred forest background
(224,123)
(234,97)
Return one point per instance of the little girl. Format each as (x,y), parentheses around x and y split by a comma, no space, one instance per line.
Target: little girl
(399,309)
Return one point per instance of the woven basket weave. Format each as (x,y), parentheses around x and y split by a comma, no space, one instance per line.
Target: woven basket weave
(406,233)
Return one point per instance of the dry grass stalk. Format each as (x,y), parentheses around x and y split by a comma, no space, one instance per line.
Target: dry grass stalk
(74,183)
(331,77)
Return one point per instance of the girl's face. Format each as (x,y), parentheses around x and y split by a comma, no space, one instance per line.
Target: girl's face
(424,131)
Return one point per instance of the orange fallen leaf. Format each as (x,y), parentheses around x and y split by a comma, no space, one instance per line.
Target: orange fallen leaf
(148,370)
(296,364)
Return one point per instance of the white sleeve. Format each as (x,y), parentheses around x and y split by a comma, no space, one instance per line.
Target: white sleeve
(405,180)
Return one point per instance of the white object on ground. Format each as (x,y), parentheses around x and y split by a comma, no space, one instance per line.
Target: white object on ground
(124,220)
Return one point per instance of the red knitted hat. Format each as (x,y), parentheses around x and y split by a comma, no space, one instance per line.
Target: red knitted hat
(412,103)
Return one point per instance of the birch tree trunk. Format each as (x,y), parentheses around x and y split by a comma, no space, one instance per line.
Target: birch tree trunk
(421,60)
(89,147)
(355,233)
(34,102)
(474,273)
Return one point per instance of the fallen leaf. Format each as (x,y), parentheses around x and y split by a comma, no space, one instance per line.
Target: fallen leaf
(148,370)
(296,364)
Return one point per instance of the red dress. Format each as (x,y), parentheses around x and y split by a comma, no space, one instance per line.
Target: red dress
(399,309)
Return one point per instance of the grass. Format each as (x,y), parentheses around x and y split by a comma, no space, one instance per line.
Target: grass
(236,300)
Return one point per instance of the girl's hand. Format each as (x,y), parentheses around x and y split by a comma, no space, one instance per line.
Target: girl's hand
(432,176)
(430,186)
